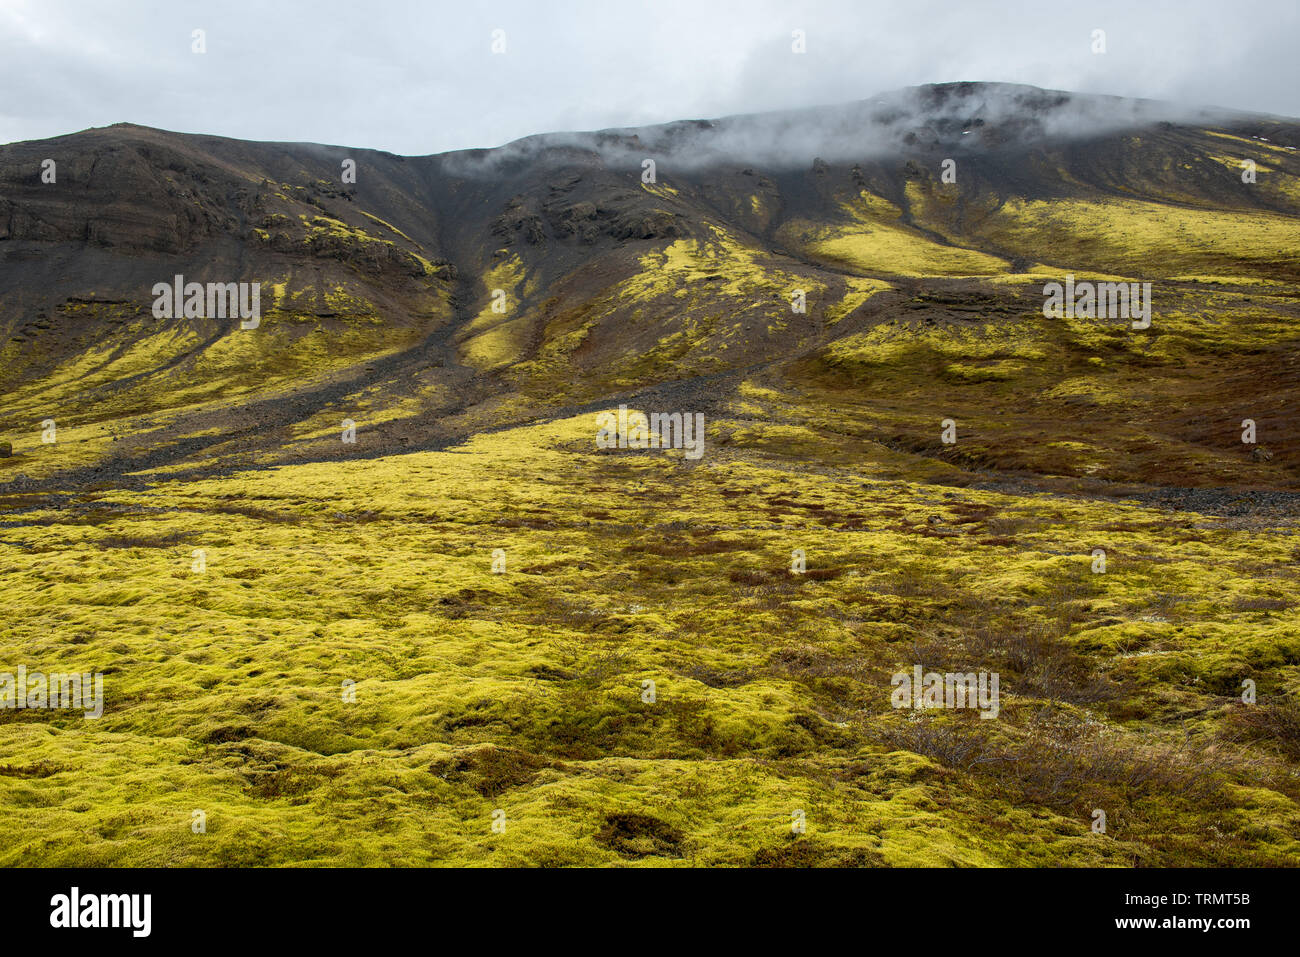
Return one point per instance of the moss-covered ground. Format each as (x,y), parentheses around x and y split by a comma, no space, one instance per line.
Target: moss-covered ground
(524,690)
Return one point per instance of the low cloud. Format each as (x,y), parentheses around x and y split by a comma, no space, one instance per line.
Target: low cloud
(952,117)
(416,78)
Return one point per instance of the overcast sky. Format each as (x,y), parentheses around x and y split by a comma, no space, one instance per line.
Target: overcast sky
(421,77)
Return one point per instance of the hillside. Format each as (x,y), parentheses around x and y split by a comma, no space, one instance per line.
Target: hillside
(326,561)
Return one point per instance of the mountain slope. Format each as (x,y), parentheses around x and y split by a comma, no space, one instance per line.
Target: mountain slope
(373,652)
(378,295)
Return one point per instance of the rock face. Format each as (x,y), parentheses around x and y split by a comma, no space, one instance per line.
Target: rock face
(613,212)
(124,194)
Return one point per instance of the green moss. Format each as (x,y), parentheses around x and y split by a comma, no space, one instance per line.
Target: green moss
(523,691)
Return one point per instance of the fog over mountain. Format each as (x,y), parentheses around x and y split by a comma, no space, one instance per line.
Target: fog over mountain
(959,117)
(423,78)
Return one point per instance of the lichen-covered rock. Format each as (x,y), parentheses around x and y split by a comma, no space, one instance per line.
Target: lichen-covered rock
(651,224)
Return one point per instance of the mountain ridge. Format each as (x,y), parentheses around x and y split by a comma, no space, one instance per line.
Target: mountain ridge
(1141,111)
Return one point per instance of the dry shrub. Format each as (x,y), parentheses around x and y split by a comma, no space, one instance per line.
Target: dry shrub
(490,770)
(639,835)
(1275,725)
(1067,771)
(1261,604)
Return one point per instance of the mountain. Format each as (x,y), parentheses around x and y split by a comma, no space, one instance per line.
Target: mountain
(377,295)
(481,633)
